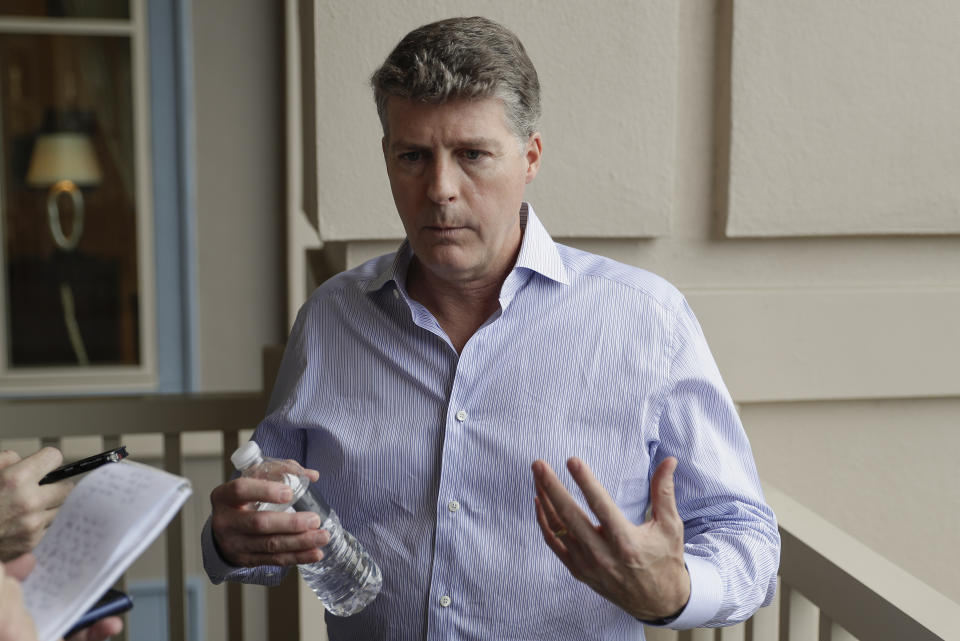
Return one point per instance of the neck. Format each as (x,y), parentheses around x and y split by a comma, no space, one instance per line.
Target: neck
(460,307)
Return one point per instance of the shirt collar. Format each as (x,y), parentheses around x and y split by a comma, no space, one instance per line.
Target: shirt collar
(396,271)
(538,253)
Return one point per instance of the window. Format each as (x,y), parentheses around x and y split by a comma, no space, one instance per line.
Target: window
(85,263)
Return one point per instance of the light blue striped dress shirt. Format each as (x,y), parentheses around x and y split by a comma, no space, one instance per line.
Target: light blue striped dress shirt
(425,453)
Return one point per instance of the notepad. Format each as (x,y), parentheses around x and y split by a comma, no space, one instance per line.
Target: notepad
(107,521)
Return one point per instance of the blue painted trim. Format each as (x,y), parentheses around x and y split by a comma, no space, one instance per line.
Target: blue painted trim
(188,192)
(171,89)
(166,207)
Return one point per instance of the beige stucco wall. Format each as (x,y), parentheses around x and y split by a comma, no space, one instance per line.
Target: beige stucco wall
(238,109)
(833,319)
(839,344)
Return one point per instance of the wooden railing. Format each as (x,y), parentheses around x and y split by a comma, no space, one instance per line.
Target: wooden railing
(835,588)
(170,416)
(832,587)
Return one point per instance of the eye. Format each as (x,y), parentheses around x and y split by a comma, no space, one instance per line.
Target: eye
(411,156)
(473,154)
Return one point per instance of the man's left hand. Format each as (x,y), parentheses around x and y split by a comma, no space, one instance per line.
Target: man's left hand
(638,567)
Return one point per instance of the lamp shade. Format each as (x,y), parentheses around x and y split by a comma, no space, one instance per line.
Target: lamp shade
(64,156)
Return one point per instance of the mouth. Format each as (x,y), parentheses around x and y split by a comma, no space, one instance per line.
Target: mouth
(444,230)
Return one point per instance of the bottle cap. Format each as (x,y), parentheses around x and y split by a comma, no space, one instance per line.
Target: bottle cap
(246,455)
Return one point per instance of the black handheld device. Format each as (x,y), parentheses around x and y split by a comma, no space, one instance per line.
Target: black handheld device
(111,603)
(85,465)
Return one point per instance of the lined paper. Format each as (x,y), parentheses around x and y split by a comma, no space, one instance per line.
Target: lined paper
(108,520)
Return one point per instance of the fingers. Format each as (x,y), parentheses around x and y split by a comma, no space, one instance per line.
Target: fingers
(551,527)
(28,472)
(282,549)
(53,495)
(40,463)
(20,567)
(295,467)
(8,457)
(253,522)
(598,499)
(99,631)
(247,490)
(242,549)
(662,495)
(15,621)
(247,537)
(562,507)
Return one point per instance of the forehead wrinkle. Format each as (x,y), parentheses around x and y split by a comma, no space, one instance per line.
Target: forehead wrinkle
(428,126)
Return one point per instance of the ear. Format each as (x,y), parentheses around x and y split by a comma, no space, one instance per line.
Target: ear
(533,153)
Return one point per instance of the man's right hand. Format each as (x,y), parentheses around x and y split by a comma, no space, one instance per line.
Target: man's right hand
(246,537)
(26,507)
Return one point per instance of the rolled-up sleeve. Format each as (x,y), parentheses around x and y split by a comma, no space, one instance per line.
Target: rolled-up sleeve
(732,545)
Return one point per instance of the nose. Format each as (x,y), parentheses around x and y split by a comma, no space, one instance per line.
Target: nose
(442,182)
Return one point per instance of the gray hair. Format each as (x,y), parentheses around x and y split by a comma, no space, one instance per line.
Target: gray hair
(462,58)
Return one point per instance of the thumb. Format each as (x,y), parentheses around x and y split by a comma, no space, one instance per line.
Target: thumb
(662,496)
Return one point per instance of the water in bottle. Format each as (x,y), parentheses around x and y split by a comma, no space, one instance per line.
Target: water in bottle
(346,579)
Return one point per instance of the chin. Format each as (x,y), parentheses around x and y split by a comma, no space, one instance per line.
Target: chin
(449,269)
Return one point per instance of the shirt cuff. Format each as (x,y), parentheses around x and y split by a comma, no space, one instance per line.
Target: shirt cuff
(706,595)
(219,570)
(214,564)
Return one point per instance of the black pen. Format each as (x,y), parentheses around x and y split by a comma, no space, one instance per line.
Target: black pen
(85,465)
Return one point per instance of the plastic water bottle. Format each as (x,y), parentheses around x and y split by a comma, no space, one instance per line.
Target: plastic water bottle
(346,579)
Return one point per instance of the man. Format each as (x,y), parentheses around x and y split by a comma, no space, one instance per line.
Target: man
(421,387)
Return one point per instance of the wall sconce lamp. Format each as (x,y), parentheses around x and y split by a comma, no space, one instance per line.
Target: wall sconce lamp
(64,161)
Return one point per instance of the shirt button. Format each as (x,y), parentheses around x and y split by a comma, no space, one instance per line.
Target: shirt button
(396,294)
(453,506)
(462,415)
(445,601)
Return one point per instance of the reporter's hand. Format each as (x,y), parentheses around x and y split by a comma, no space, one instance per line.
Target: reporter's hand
(638,567)
(99,631)
(15,622)
(246,537)
(26,507)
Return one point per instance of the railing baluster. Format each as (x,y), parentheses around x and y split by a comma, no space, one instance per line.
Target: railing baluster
(176,579)
(826,628)
(785,592)
(231,441)
(839,633)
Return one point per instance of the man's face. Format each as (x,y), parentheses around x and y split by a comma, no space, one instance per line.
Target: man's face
(458,174)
